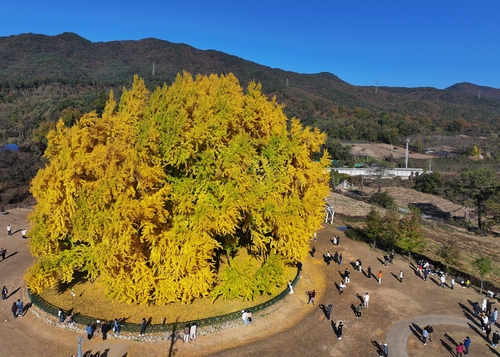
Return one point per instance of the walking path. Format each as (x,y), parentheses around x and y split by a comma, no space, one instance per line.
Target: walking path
(398,334)
(292,327)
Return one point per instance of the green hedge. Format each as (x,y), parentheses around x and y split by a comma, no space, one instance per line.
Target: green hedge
(51,309)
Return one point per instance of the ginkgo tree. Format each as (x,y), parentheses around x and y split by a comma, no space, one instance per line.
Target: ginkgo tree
(147,195)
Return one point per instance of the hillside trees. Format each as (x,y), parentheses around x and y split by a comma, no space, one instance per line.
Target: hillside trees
(147,196)
(479,189)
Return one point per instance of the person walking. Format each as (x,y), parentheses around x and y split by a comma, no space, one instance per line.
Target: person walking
(379,277)
(366,299)
(460,349)
(3,251)
(5,292)
(313,250)
(24,233)
(401,274)
(495,339)
(452,283)
(369,272)
(425,335)
(340,329)
(290,287)
(192,332)
(359,309)
(9,230)
(467,341)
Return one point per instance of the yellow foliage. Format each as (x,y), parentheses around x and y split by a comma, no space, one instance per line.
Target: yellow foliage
(146,195)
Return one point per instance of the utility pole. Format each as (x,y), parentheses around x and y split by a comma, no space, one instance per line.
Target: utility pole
(407,143)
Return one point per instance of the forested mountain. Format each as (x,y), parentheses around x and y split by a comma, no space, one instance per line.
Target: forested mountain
(43,78)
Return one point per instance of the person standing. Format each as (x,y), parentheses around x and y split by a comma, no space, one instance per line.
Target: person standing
(425,335)
(340,328)
(3,251)
(495,315)
(290,286)
(90,331)
(366,299)
(347,276)
(488,306)
(467,342)
(104,330)
(476,308)
(192,332)
(24,232)
(495,339)
(485,320)
(452,283)
(14,309)
(443,280)
(401,274)
(488,331)
(379,277)
(340,258)
(249,316)
(4,293)
(328,311)
(385,350)
(460,349)
(312,295)
(60,313)
(116,327)
(369,272)
(186,333)
(313,250)
(359,309)
(9,230)
(430,330)
(483,305)
(143,327)
(20,307)
(244,317)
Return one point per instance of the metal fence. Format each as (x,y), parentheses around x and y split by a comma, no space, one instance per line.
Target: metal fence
(53,310)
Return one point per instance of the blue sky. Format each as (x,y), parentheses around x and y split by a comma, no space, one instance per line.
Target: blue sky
(404,43)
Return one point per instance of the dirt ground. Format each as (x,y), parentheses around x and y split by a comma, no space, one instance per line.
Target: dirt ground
(292,328)
(380,151)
